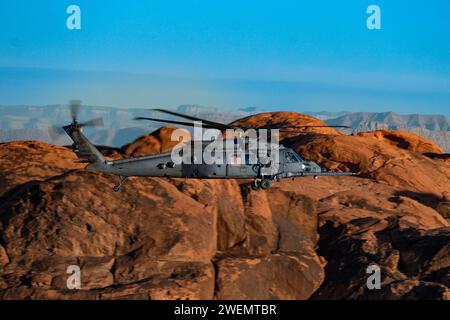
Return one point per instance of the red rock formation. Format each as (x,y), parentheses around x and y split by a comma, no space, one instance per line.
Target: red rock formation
(22,161)
(156,142)
(288,121)
(376,159)
(404,140)
(191,239)
(157,238)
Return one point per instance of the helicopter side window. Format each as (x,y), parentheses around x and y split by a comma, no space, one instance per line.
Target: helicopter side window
(299,159)
(290,157)
(247,159)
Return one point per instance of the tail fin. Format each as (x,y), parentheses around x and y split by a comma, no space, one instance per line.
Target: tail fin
(83,148)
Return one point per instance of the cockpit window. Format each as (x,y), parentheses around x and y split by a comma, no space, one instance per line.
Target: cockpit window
(290,157)
(299,159)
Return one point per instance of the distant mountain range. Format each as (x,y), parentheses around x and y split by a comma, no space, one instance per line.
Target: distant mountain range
(433,127)
(326,115)
(32,122)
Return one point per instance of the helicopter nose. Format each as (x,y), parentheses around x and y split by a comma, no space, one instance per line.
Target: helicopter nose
(315,167)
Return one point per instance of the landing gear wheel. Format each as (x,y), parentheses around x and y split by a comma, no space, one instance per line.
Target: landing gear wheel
(122,180)
(265,183)
(255,185)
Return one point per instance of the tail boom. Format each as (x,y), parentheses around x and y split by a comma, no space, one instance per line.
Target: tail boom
(83,148)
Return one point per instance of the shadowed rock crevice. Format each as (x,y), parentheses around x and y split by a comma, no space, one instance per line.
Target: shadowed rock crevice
(407,257)
(428,199)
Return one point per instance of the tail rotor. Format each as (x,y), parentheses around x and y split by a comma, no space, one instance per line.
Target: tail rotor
(56,132)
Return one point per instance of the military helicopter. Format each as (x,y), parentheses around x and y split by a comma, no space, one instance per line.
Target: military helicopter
(243,166)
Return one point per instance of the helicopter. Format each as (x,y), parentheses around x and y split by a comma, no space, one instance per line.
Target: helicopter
(241,164)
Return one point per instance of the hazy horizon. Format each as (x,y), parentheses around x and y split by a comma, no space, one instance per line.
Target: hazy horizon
(60,86)
(250,110)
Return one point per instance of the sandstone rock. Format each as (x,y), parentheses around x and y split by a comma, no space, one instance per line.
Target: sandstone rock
(404,140)
(4,259)
(153,240)
(444,209)
(198,283)
(155,142)
(296,216)
(225,196)
(131,229)
(277,276)
(244,223)
(23,161)
(401,254)
(377,160)
(287,120)
(345,206)
(261,232)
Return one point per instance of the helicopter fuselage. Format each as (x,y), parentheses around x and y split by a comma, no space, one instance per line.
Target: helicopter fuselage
(161,165)
(237,160)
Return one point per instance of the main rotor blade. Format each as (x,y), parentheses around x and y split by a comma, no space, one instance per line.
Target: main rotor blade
(190,124)
(313,126)
(97,122)
(74,107)
(325,126)
(292,131)
(212,124)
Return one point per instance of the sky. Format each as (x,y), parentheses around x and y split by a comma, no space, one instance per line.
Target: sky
(280,55)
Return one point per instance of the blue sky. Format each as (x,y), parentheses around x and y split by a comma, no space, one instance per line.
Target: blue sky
(291,55)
